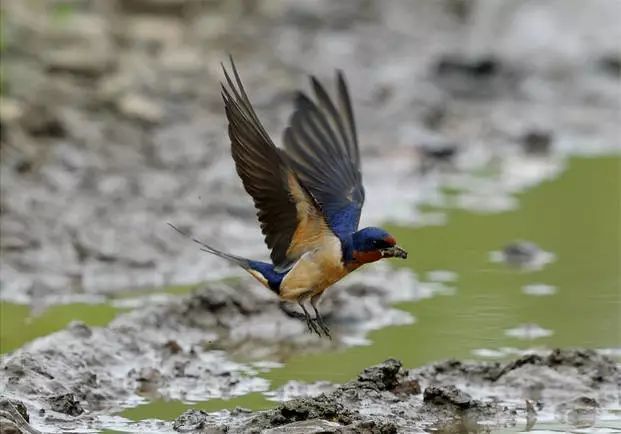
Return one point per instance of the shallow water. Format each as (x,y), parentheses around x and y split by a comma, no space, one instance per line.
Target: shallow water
(485,311)
(19,324)
(480,308)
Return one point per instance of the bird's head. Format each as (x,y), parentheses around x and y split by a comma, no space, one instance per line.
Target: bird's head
(371,244)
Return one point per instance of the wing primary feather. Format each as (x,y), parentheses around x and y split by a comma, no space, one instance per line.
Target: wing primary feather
(313,125)
(282,202)
(308,163)
(345,102)
(242,97)
(305,133)
(329,138)
(322,145)
(324,100)
(311,134)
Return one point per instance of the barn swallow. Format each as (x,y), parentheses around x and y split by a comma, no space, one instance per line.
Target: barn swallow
(308,196)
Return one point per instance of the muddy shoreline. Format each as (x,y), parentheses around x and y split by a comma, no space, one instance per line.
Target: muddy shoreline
(575,387)
(185,349)
(388,398)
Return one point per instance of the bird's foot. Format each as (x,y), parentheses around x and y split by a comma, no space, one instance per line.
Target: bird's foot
(324,328)
(312,326)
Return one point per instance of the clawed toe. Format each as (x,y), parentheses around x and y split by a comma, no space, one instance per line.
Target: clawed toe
(312,326)
(322,325)
(318,327)
(315,325)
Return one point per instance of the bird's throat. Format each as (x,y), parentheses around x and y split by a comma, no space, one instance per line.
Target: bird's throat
(361,257)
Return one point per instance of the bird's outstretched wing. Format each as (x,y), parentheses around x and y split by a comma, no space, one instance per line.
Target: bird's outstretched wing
(290,218)
(322,145)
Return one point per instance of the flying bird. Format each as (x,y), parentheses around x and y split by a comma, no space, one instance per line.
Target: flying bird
(308,195)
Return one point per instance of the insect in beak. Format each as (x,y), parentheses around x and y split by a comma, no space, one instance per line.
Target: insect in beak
(394,252)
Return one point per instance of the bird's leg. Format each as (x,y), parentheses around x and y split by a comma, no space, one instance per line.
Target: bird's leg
(312,327)
(318,318)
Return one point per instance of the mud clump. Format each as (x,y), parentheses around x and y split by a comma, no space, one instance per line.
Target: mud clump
(191,420)
(479,67)
(474,77)
(537,141)
(321,407)
(529,359)
(381,377)
(447,395)
(588,363)
(13,416)
(8,406)
(66,404)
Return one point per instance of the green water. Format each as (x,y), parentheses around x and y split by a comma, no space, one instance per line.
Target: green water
(18,325)
(577,217)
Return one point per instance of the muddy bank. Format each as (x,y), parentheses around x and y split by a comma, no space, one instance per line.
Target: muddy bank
(574,388)
(570,386)
(183,349)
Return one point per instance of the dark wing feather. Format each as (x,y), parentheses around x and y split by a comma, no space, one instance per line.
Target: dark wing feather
(322,145)
(263,170)
(290,218)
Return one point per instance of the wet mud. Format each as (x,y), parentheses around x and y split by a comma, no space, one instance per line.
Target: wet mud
(182,349)
(388,398)
(185,350)
(574,387)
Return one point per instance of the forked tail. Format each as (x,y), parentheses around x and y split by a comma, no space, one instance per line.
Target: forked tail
(262,271)
(242,262)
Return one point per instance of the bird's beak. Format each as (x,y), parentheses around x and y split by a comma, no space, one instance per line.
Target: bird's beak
(394,252)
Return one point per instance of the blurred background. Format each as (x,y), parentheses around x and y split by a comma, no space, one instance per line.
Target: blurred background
(490,136)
